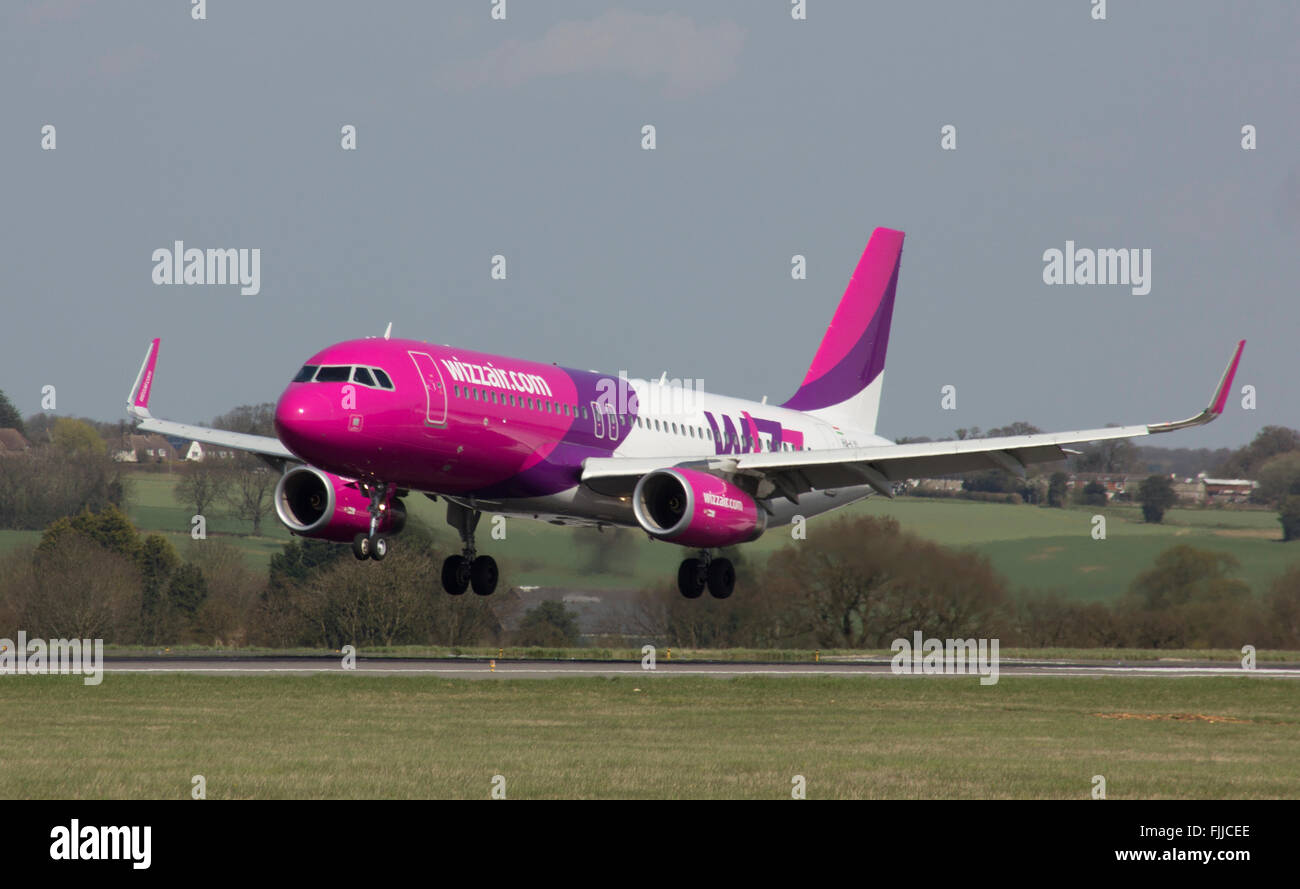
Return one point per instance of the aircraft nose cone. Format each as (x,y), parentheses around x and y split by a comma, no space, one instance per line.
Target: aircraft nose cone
(303,417)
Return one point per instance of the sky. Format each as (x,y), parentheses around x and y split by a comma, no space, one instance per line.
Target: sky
(774,137)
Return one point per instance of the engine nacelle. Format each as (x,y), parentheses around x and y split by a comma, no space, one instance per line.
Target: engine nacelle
(696,509)
(314,503)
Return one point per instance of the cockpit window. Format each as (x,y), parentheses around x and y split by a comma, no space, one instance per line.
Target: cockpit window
(333,374)
(362,375)
(383,379)
(304,375)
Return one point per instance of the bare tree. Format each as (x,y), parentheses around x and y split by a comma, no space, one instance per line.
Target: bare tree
(201,485)
(78,590)
(250,491)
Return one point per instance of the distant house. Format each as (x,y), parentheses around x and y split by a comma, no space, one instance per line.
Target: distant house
(1114,482)
(12,442)
(144,449)
(198,451)
(1228,490)
(944,485)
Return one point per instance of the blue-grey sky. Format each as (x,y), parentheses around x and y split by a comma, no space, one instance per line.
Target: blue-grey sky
(775,137)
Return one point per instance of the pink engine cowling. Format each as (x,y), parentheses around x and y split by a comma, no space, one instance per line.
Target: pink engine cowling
(314,503)
(693,508)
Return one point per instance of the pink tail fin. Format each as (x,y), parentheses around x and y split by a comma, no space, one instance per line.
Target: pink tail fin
(844,376)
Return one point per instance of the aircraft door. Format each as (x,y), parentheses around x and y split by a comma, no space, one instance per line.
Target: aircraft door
(435,389)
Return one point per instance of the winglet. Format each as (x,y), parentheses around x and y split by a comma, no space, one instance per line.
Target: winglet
(137,403)
(1217,403)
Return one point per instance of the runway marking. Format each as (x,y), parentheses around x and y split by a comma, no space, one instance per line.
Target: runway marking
(875,670)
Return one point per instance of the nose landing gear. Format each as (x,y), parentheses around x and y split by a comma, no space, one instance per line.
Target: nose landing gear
(373,545)
(468,569)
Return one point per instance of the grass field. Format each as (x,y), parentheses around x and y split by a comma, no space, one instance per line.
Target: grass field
(364,736)
(697,655)
(1036,549)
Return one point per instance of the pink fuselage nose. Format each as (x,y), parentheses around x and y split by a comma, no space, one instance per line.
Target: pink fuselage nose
(306,420)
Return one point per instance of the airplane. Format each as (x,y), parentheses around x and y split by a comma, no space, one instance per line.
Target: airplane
(366,422)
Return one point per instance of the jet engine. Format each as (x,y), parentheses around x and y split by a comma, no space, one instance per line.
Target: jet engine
(696,509)
(314,503)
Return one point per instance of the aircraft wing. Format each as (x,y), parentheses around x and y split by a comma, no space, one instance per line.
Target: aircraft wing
(137,405)
(791,473)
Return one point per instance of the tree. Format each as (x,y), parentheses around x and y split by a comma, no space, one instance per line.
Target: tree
(252,419)
(300,557)
(1289,516)
(200,485)
(1156,494)
(227,614)
(1268,442)
(863,582)
(77,437)
(1094,494)
(1111,456)
(548,625)
(158,561)
(250,491)
(1057,488)
(1281,607)
(9,416)
(1188,600)
(109,528)
(993,481)
(609,550)
(78,589)
(1019,427)
(1278,477)
(187,591)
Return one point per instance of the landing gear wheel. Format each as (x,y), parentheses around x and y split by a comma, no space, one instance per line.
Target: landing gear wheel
(378,548)
(483,575)
(690,578)
(455,575)
(361,547)
(722,578)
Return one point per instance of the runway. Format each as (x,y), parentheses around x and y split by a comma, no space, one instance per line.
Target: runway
(466,668)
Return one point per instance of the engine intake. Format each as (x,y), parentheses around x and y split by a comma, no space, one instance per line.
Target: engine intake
(695,508)
(314,503)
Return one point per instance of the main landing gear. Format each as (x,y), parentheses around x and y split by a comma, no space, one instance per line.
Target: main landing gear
(373,545)
(719,575)
(468,569)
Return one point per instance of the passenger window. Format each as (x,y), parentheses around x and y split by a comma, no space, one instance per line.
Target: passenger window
(305,375)
(333,374)
(362,376)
